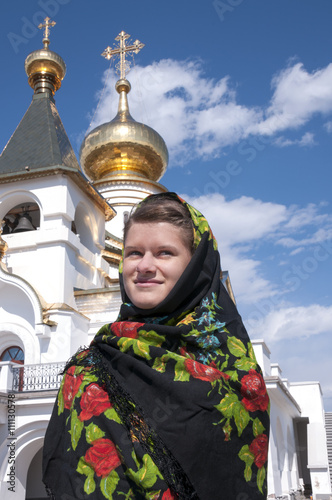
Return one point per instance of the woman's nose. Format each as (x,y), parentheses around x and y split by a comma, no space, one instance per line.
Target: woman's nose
(146,264)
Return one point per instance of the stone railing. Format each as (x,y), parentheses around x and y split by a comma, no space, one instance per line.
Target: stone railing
(41,377)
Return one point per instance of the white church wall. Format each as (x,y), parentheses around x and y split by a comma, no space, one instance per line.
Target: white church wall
(283,473)
(21,318)
(89,269)
(115,226)
(101,306)
(11,296)
(262,353)
(12,194)
(14,334)
(69,334)
(62,199)
(123,196)
(65,261)
(6,381)
(309,395)
(49,270)
(113,272)
(53,270)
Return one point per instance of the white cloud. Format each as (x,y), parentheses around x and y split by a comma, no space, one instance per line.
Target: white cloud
(243,226)
(241,220)
(199,116)
(299,217)
(292,323)
(238,225)
(170,96)
(246,220)
(308,139)
(298,95)
(223,125)
(319,236)
(328,127)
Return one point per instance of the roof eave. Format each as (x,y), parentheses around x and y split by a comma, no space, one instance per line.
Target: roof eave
(73,173)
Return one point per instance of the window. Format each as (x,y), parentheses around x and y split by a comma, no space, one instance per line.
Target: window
(14,354)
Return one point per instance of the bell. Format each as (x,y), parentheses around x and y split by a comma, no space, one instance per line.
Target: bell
(24,224)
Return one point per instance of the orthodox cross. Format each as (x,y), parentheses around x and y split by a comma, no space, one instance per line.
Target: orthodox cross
(121,50)
(47,25)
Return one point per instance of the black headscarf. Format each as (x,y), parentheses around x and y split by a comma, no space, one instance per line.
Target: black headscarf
(167,403)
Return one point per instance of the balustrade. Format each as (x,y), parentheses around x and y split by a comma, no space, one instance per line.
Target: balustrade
(41,377)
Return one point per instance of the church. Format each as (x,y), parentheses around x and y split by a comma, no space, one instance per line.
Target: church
(60,247)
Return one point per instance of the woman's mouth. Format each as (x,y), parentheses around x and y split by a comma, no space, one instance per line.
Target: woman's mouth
(147,282)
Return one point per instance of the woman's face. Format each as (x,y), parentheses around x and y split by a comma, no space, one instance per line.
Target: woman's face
(155,256)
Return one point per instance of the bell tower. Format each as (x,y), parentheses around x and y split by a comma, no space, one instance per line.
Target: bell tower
(54,219)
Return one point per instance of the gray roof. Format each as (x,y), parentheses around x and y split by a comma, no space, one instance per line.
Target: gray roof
(40,141)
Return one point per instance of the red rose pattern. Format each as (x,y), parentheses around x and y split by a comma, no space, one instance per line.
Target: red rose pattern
(103,457)
(259,447)
(168,495)
(204,372)
(185,353)
(70,387)
(83,354)
(254,392)
(126,329)
(94,401)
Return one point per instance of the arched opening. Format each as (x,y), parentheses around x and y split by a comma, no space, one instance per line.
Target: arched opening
(83,226)
(35,488)
(125,216)
(21,218)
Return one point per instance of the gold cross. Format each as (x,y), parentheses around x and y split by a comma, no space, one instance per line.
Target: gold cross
(47,25)
(122,49)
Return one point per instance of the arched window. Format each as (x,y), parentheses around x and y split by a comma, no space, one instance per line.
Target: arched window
(21,218)
(13,353)
(84,227)
(125,217)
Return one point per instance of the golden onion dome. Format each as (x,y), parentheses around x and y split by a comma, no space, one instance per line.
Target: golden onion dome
(123,147)
(45,68)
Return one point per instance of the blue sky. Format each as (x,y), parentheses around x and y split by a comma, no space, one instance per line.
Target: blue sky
(242,94)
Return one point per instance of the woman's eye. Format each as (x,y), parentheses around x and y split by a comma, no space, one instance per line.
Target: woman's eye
(166,252)
(132,253)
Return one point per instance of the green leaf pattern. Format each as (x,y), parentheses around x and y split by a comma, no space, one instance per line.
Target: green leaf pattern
(143,471)
(234,416)
(229,358)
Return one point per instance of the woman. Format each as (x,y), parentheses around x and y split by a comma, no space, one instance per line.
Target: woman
(168,402)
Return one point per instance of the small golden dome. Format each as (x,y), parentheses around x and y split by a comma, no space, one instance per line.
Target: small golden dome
(45,68)
(123,147)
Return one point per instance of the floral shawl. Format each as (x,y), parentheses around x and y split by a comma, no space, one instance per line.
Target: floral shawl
(164,404)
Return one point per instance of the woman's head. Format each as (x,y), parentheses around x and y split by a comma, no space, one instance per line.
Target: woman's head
(165,207)
(158,245)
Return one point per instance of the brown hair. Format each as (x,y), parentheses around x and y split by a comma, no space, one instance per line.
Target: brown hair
(164,207)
